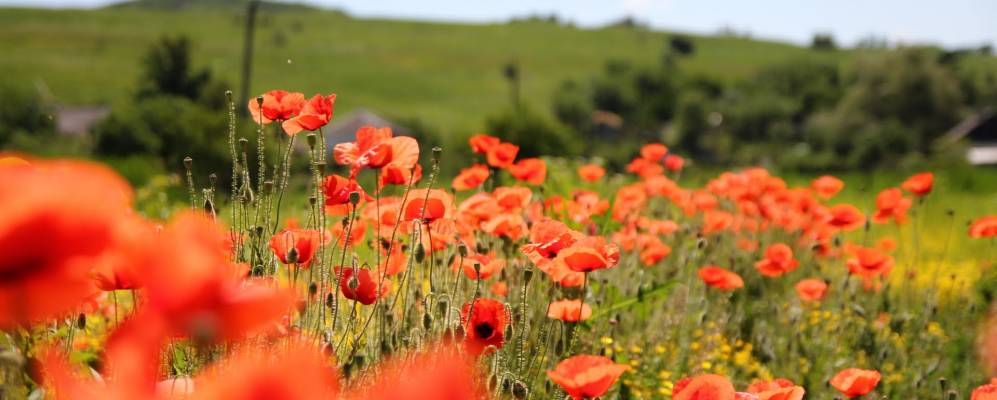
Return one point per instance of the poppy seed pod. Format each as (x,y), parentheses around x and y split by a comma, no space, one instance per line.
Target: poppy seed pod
(354,198)
(437,151)
(81,321)
(292,255)
(259,100)
(353,283)
(188,163)
(420,253)
(462,249)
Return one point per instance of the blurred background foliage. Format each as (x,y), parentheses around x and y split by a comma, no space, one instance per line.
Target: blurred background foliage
(161,69)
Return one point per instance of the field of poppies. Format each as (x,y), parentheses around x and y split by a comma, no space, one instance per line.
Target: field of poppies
(361,271)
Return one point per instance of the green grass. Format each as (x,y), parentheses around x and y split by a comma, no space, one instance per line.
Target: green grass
(448,75)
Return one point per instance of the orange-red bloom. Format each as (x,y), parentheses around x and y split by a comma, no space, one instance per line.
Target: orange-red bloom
(482,143)
(59,218)
(919,184)
(297,372)
(484,322)
(589,254)
(315,114)
(529,170)
(297,246)
(487,265)
(361,285)
(585,376)
(827,186)
(854,382)
(502,155)
(778,389)
(778,260)
(278,105)
(984,227)
(720,278)
(470,177)
(891,203)
(811,289)
(986,391)
(429,205)
(674,163)
(591,172)
(870,262)
(653,152)
(846,217)
(703,387)
(569,310)
(337,194)
(379,148)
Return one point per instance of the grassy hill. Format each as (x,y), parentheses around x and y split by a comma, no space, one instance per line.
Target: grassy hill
(447,74)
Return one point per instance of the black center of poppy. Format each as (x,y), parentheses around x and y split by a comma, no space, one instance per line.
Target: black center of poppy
(484,330)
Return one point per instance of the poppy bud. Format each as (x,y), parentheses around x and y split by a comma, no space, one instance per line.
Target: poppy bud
(701,243)
(312,289)
(292,255)
(527,275)
(81,321)
(477,269)
(437,151)
(462,249)
(519,390)
(953,395)
(420,253)
(188,163)
(209,206)
(312,200)
(311,141)
(259,100)
(427,321)
(328,299)
(944,384)
(354,198)
(386,348)
(443,306)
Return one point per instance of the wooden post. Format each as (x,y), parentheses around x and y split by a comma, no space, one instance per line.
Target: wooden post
(247,55)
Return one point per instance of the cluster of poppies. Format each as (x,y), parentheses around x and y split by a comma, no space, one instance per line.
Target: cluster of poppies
(71,245)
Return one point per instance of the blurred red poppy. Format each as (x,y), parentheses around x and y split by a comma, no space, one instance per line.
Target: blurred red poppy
(986,391)
(589,254)
(470,177)
(919,184)
(778,389)
(845,217)
(586,376)
(502,155)
(674,163)
(703,387)
(569,310)
(296,371)
(984,227)
(529,170)
(337,194)
(361,285)
(654,152)
(778,260)
(827,186)
(59,219)
(811,289)
(853,382)
(482,143)
(891,203)
(297,246)
(720,278)
(429,205)
(591,172)
(488,265)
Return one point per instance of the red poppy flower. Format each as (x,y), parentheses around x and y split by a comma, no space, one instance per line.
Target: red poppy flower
(870,262)
(984,227)
(484,323)
(429,205)
(361,285)
(674,163)
(853,382)
(499,288)
(985,392)
(846,217)
(591,172)
(488,265)
(12,161)
(278,105)
(315,114)
(297,246)
(470,178)
(529,170)
(437,373)
(502,155)
(337,194)
(645,168)
(59,219)
(585,376)
(891,203)
(654,253)
(294,372)
(195,291)
(811,289)
(589,254)
(512,198)
(379,148)
(778,389)
(512,226)
(919,184)
(654,152)
(720,278)
(357,231)
(569,310)
(116,269)
(703,387)
(778,260)
(827,186)
(482,143)
(548,237)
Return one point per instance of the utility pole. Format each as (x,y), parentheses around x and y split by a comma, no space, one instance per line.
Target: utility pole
(511,72)
(247,54)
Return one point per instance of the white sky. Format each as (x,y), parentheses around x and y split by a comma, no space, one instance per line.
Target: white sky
(949,23)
